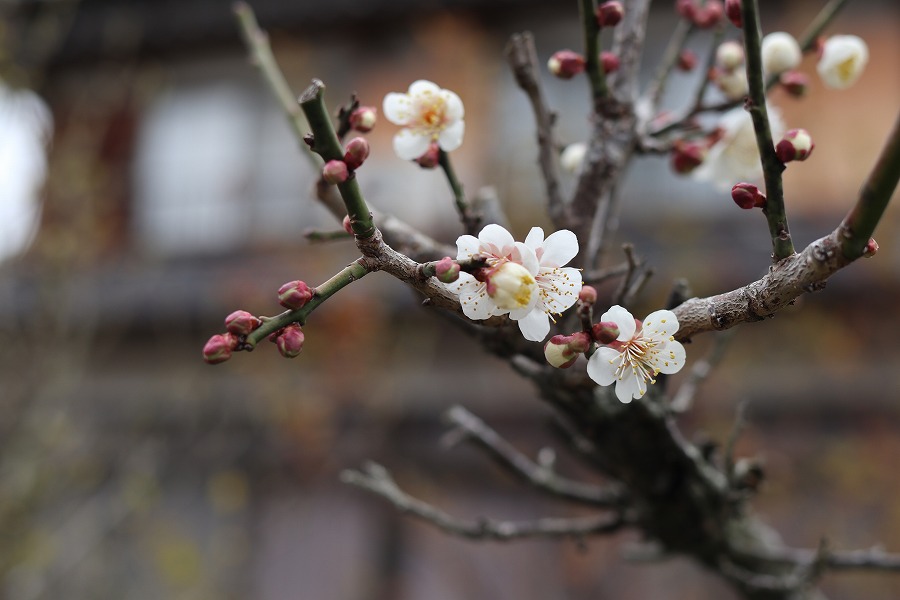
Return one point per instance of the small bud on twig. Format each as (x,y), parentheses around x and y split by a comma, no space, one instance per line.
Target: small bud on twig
(609,14)
(687,60)
(588,294)
(871,248)
(240,322)
(335,171)
(219,348)
(294,294)
(747,196)
(431,158)
(356,152)
(687,156)
(794,83)
(605,332)
(566,64)
(363,119)
(796,144)
(290,341)
(609,62)
(733,12)
(345,223)
(446,270)
(561,351)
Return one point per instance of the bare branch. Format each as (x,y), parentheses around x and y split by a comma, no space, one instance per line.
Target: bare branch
(378,480)
(539,476)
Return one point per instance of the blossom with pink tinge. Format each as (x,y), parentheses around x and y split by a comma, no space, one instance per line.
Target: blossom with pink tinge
(427,114)
(640,353)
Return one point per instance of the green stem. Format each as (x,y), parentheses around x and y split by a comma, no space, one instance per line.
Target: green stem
(355,270)
(860,222)
(326,144)
(470,221)
(782,246)
(257,42)
(595,74)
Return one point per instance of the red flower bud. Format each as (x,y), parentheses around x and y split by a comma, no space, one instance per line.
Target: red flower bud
(733,12)
(609,14)
(431,158)
(240,322)
(609,62)
(446,270)
(566,64)
(562,351)
(290,341)
(747,196)
(345,223)
(588,294)
(687,156)
(219,348)
(687,60)
(871,248)
(605,332)
(794,83)
(363,118)
(687,9)
(356,152)
(795,145)
(709,14)
(294,294)
(335,171)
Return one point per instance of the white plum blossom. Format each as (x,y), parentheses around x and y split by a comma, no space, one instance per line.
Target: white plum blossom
(639,354)
(427,114)
(572,157)
(735,156)
(558,285)
(780,52)
(526,280)
(842,62)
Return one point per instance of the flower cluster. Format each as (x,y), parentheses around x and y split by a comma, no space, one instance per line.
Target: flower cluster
(526,280)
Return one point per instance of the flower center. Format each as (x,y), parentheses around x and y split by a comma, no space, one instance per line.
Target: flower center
(510,285)
(431,114)
(636,355)
(845,68)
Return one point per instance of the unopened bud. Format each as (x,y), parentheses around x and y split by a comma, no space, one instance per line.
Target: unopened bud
(294,294)
(240,322)
(780,52)
(687,156)
(335,171)
(356,152)
(219,348)
(345,223)
(687,60)
(687,9)
(363,119)
(871,248)
(561,351)
(566,64)
(588,294)
(290,341)
(733,12)
(709,15)
(609,14)
(605,332)
(572,157)
(747,196)
(431,158)
(446,270)
(609,62)
(733,83)
(796,144)
(730,55)
(794,83)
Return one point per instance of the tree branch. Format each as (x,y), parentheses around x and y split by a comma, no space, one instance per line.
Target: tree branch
(378,480)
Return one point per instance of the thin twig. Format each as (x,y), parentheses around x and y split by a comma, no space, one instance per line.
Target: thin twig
(684,397)
(668,61)
(378,480)
(874,559)
(737,428)
(633,265)
(593,69)
(539,476)
(316,235)
(470,220)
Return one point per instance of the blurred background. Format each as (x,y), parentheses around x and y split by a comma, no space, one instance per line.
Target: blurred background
(149,185)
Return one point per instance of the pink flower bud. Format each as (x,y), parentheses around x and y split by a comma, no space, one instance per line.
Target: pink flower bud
(345,223)
(687,156)
(871,248)
(609,14)
(609,62)
(733,12)
(446,270)
(363,119)
(566,64)
(794,83)
(687,60)
(747,196)
(290,341)
(240,322)
(294,294)
(356,152)
(219,348)
(605,332)
(709,15)
(687,8)
(561,351)
(335,171)
(795,145)
(588,294)
(431,158)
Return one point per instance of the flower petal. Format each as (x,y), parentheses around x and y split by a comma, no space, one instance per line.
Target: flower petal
(498,236)
(521,313)
(559,248)
(409,145)
(475,302)
(602,364)
(451,137)
(397,108)
(660,324)
(423,87)
(630,387)
(535,325)
(467,246)
(559,288)
(527,258)
(669,358)
(454,107)
(623,319)
(535,239)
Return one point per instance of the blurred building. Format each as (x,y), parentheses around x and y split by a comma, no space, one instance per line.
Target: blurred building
(176,193)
